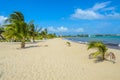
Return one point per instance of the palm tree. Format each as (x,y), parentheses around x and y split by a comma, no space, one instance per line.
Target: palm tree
(1,31)
(11,32)
(17,28)
(101,48)
(33,30)
(44,33)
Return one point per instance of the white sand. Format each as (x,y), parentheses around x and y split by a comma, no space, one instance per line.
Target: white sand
(55,62)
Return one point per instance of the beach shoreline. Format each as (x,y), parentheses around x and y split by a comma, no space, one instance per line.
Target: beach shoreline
(108,44)
(54,60)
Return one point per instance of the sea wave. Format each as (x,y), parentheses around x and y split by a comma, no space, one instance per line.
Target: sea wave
(82,42)
(118,45)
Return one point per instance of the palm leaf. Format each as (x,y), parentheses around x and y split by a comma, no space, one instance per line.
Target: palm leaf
(99,46)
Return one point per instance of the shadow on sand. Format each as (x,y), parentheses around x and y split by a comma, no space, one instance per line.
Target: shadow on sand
(1,74)
(33,46)
(99,59)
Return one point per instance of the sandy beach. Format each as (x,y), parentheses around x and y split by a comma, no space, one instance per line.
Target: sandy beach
(54,60)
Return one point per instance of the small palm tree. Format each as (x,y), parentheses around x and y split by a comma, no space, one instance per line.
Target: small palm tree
(44,33)
(101,48)
(33,30)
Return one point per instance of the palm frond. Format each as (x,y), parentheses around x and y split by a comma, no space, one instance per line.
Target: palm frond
(100,46)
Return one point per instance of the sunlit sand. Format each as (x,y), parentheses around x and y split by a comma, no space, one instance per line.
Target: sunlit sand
(54,60)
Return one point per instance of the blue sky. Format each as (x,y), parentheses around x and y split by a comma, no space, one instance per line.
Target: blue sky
(68,16)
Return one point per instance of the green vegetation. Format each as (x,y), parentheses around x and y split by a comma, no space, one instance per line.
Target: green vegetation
(50,36)
(101,49)
(16,29)
(101,35)
(68,43)
(44,33)
(78,35)
(1,31)
(87,35)
(33,31)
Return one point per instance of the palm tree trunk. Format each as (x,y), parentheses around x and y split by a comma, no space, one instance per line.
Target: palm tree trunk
(2,37)
(103,56)
(23,44)
(33,39)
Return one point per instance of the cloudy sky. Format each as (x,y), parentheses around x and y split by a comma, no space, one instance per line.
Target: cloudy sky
(68,16)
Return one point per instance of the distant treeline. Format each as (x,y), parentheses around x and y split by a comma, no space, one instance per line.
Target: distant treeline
(107,35)
(79,35)
(87,35)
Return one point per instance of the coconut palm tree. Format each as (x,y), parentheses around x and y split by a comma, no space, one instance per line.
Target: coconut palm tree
(44,33)
(101,48)
(11,32)
(17,28)
(33,30)
(1,31)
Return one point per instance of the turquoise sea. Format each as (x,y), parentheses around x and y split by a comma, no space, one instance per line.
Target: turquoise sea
(110,41)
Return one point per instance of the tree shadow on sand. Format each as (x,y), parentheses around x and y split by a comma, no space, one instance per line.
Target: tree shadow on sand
(99,59)
(110,61)
(33,46)
(1,74)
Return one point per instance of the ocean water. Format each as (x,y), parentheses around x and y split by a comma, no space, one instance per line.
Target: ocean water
(110,41)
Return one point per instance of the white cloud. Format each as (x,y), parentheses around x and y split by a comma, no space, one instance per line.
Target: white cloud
(2,19)
(98,11)
(79,30)
(99,6)
(114,15)
(51,29)
(85,14)
(109,9)
(58,29)
(64,29)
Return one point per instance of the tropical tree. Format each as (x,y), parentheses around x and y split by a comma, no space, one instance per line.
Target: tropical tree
(44,33)
(101,48)
(50,36)
(11,32)
(33,30)
(17,28)
(1,31)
